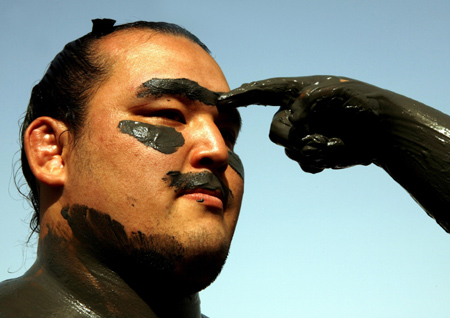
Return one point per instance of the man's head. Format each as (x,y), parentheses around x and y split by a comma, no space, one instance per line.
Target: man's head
(70,81)
(141,168)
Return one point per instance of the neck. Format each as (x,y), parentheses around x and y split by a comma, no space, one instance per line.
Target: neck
(74,278)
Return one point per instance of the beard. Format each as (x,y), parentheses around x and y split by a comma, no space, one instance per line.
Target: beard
(149,263)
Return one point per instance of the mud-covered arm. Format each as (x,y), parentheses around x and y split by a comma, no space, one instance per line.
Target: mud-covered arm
(336,122)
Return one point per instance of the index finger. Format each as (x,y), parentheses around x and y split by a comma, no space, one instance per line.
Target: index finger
(280,91)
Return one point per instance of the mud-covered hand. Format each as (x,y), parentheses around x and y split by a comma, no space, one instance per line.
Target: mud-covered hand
(336,122)
(323,121)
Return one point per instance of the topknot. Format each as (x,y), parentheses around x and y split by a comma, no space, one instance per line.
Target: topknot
(101,27)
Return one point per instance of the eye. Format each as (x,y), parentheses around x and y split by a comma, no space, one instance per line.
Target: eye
(170,114)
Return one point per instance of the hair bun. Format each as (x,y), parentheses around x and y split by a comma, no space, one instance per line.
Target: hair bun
(102,27)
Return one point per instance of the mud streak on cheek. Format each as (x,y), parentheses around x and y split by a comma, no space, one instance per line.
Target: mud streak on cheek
(161,138)
(235,162)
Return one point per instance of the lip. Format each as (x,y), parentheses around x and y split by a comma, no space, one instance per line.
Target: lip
(204,196)
(205,187)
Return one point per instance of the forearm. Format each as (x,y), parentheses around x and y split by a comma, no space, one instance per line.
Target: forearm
(337,122)
(416,153)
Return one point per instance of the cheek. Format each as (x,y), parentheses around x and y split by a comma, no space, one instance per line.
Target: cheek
(161,138)
(115,162)
(235,162)
(157,152)
(167,142)
(236,184)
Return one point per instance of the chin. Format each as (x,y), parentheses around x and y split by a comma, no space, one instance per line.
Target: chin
(168,266)
(198,271)
(149,263)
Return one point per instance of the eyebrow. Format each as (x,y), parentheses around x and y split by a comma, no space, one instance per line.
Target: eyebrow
(158,87)
(183,87)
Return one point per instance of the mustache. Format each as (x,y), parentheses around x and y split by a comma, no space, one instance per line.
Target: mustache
(198,180)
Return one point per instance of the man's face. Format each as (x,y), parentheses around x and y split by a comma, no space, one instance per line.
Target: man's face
(155,159)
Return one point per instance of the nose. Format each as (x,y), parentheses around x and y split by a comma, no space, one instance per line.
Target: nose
(209,149)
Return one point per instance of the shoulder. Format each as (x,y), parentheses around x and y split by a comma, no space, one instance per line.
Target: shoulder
(13,297)
(26,297)
(10,288)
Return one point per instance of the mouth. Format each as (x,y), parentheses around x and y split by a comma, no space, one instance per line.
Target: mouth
(212,199)
(214,193)
(204,187)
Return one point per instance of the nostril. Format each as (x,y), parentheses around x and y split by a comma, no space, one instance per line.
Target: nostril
(213,165)
(207,162)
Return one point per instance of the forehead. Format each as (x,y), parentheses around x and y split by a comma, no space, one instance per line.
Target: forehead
(138,55)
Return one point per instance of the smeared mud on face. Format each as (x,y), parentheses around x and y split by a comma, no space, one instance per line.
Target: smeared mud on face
(161,138)
(184,87)
(235,162)
(144,259)
(107,239)
(200,180)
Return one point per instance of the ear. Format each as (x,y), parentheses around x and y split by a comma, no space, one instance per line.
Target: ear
(44,142)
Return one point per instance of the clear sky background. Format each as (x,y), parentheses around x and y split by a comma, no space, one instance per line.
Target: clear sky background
(348,243)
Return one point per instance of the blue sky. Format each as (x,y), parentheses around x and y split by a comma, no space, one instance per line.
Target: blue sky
(348,243)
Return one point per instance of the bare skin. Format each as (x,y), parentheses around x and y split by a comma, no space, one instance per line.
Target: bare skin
(116,239)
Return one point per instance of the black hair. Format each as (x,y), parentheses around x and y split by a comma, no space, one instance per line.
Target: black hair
(67,86)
